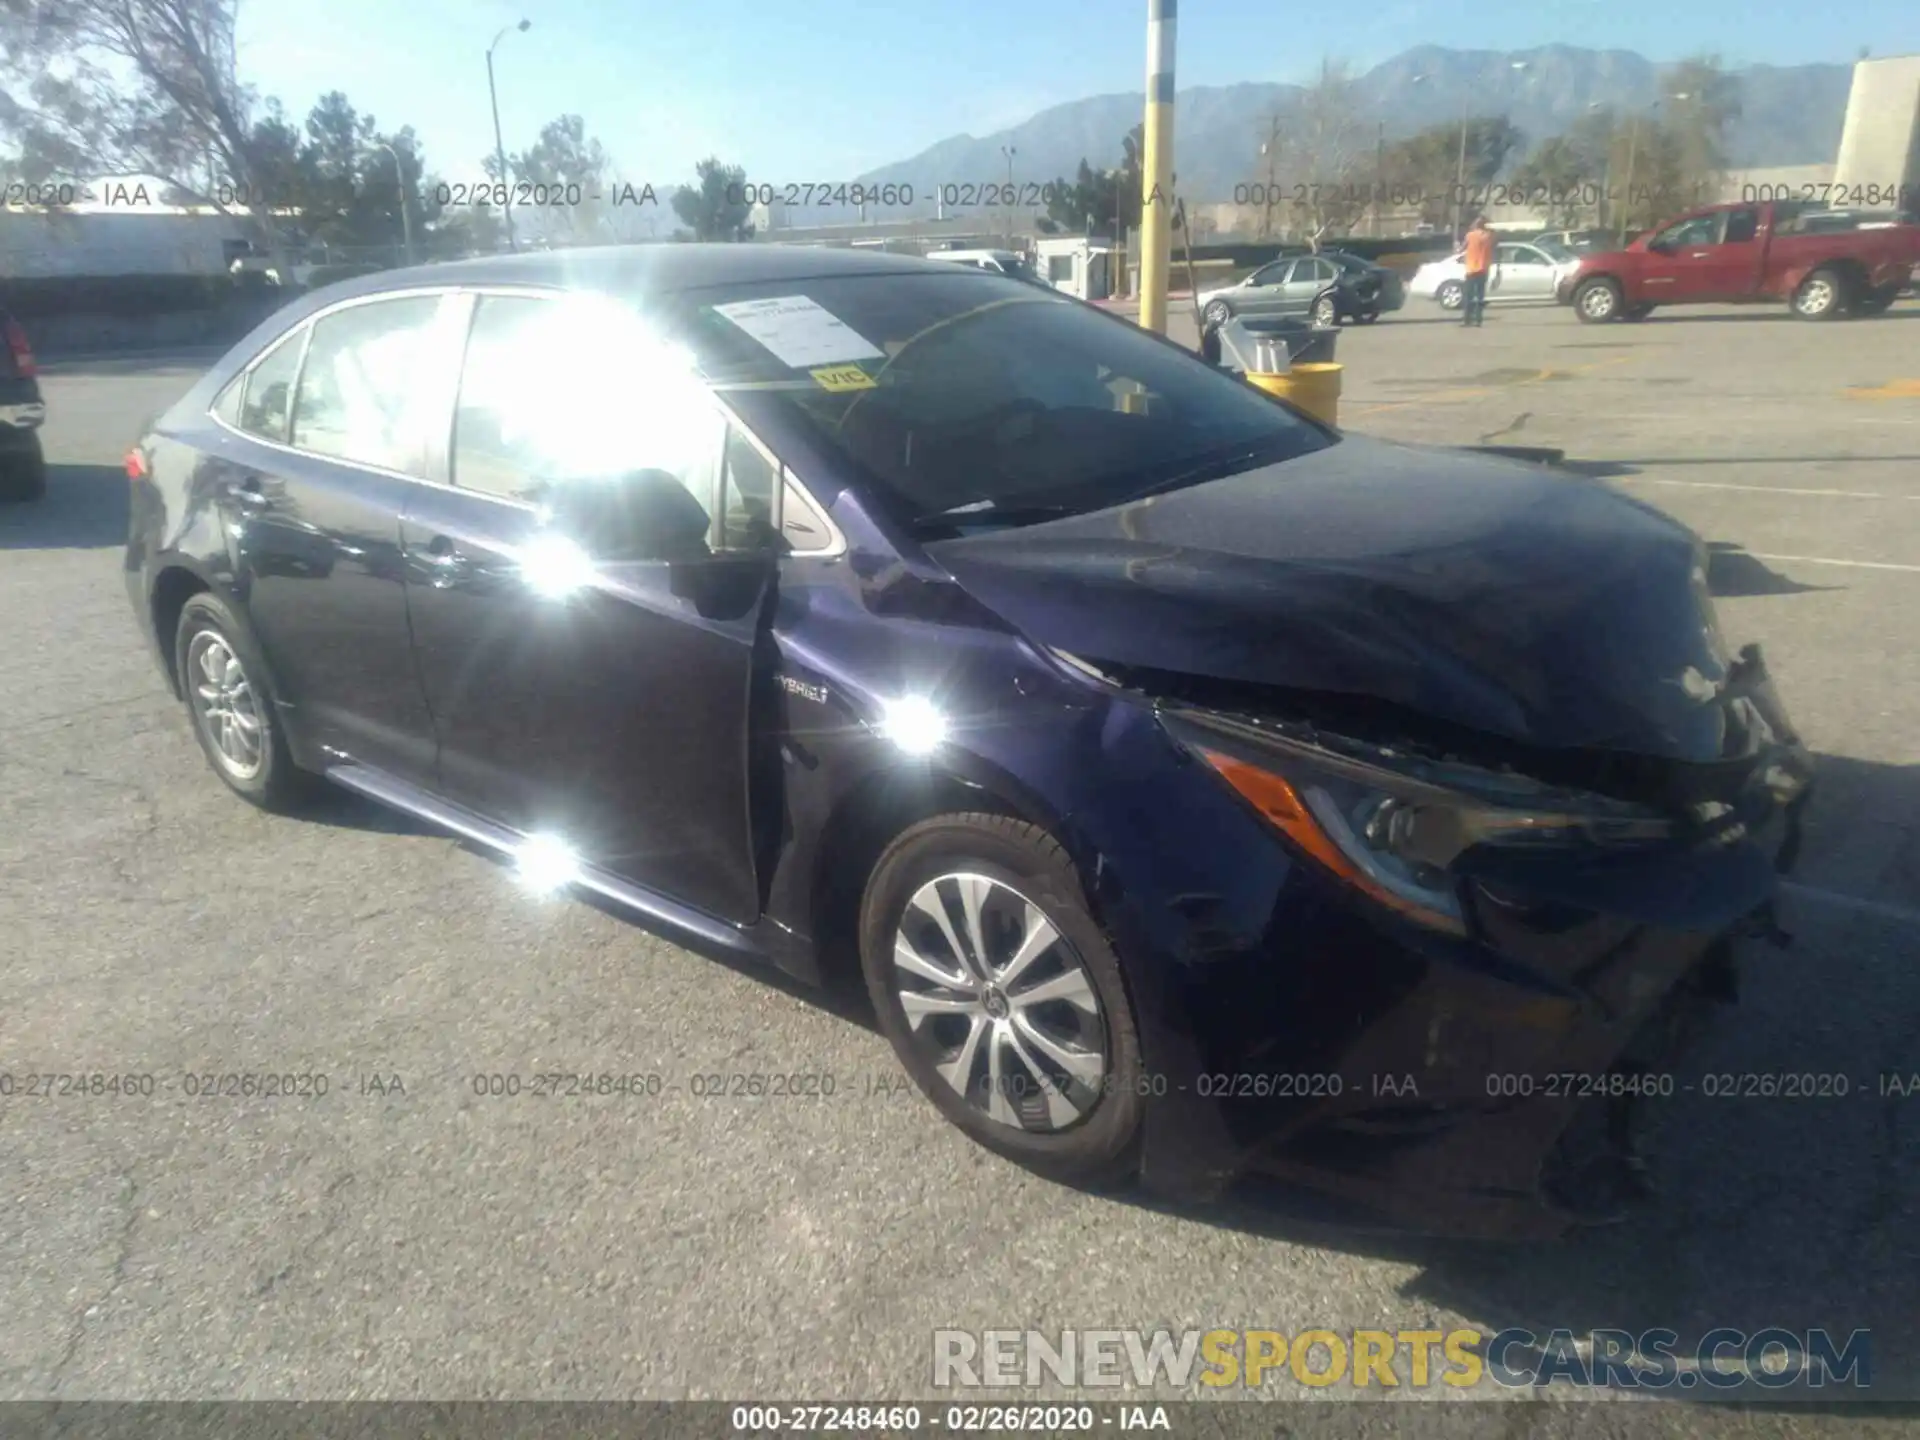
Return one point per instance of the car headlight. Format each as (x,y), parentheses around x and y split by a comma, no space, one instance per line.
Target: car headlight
(1394,827)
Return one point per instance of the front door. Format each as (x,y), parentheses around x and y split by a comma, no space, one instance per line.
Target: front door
(1683,261)
(586,650)
(1520,272)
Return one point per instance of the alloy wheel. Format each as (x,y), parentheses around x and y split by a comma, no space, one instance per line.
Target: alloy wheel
(1816,296)
(226,706)
(1000,1004)
(1597,302)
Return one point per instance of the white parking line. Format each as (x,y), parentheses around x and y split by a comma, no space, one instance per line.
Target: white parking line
(1762,489)
(1851,902)
(1823,560)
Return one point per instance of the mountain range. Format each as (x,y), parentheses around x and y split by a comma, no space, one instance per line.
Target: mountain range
(1790,115)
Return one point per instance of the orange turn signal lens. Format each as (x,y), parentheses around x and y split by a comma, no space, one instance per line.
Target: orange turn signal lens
(1282,806)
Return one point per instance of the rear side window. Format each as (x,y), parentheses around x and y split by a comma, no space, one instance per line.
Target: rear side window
(359,390)
(269,390)
(227,406)
(578,388)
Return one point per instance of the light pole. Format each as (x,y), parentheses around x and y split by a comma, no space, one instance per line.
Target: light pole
(1156,179)
(1270,147)
(1633,145)
(400,183)
(1009,151)
(499,145)
(1460,164)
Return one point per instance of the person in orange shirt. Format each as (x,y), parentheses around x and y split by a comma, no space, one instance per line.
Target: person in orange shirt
(1479,257)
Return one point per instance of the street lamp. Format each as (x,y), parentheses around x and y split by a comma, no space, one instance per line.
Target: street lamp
(400,183)
(1009,151)
(1633,145)
(499,145)
(1460,164)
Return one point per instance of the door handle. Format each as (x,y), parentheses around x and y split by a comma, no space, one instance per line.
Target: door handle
(1700,255)
(249,495)
(445,561)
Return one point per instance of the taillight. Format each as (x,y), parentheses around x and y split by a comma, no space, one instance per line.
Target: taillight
(137,465)
(23,360)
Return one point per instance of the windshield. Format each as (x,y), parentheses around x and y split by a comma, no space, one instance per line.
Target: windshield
(965,391)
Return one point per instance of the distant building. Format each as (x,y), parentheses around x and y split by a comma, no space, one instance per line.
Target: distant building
(159,241)
(1880,142)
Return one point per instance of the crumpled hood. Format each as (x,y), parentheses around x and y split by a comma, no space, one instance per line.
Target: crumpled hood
(1481,592)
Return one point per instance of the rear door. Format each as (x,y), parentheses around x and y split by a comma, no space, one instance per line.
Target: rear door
(1310,276)
(582,687)
(324,436)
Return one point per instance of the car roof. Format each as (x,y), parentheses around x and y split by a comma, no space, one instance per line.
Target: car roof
(651,269)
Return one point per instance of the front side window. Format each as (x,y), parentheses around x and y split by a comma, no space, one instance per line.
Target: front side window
(1742,226)
(360,387)
(269,390)
(1274,274)
(964,394)
(1700,230)
(577,389)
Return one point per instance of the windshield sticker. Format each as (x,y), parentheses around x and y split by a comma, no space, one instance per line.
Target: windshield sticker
(843,377)
(800,333)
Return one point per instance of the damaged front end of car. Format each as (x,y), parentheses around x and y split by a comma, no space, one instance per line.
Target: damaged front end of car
(1528,940)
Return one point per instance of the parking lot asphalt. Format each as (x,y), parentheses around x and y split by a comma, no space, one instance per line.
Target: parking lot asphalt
(405,1237)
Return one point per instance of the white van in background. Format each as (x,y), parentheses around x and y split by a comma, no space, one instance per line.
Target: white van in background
(1002,262)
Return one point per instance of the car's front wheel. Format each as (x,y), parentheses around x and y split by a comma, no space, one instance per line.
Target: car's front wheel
(1002,997)
(1597,301)
(223,680)
(1217,313)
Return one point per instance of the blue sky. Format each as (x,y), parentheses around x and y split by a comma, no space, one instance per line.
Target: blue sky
(820,90)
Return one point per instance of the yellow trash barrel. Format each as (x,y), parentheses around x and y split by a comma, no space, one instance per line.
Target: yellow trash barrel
(1314,388)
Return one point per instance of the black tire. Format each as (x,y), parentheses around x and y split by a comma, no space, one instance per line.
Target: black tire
(1598,301)
(1451,295)
(1636,312)
(1217,313)
(23,474)
(1101,1147)
(1876,302)
(276,783)
(1826,294)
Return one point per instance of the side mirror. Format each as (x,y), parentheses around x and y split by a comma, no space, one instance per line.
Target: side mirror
(642,515)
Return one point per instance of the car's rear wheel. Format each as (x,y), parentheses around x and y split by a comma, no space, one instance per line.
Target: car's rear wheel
(1002,997)
(1451,294)
(223,680)
(1597,301)
(1876,301)
(1217,313)
(23,473)
(1326,312)
(1822,295)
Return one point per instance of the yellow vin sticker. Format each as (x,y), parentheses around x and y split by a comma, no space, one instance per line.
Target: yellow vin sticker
(842,377)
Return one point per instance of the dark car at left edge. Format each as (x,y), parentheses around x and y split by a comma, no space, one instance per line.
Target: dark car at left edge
(1200,792)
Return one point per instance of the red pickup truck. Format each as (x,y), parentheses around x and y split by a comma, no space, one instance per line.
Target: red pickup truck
(1749,252)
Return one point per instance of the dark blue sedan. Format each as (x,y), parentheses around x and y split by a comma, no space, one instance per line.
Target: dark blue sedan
(1200,790)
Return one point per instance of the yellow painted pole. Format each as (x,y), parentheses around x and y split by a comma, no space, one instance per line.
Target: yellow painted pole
(1156,207)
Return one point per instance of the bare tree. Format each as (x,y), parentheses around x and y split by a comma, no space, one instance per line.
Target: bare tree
(139,87)
(1318,153)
